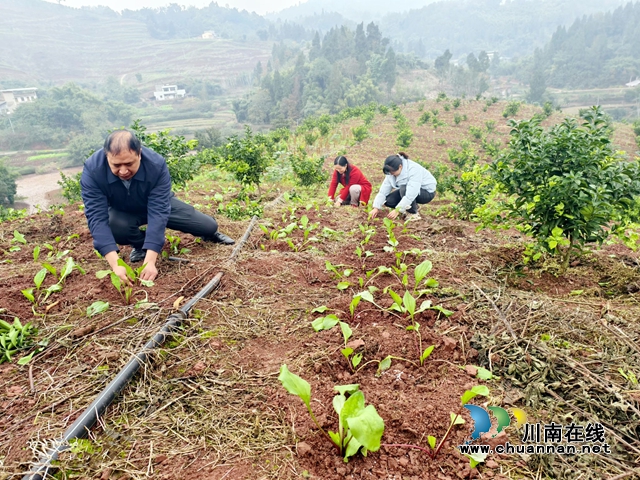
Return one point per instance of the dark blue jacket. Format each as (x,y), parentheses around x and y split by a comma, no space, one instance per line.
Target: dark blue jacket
(149,193)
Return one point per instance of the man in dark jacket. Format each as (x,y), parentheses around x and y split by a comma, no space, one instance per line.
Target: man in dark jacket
(124,186)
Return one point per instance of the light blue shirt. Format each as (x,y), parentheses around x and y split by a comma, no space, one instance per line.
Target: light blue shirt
(414,176)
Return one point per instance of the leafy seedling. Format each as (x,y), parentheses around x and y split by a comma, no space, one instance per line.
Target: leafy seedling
(15,337)
(360,427)
(132,274)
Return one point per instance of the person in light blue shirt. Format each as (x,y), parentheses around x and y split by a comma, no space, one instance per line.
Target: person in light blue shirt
(406,184)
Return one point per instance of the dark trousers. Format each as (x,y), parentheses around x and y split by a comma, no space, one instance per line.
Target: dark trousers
(184,218)
(393,199)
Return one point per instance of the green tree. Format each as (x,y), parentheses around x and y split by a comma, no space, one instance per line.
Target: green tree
(473,63)
(175,150)
(8,186)
(247,158)
(567,186)
(442,62)
(483,61)
(316,47)
(537,82)
(208,138)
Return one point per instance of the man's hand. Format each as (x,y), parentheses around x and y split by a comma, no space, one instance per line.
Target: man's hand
(338,202)
(121,272)
(149,272)
(374,213)
(393,214)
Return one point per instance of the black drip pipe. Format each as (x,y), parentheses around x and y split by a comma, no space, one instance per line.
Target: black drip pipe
(84,423)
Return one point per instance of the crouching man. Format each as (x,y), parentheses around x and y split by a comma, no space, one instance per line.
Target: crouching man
(125,186)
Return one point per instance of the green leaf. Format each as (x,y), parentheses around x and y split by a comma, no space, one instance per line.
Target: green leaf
(346,331)
(130,272)
(477,390)
(367,427)
(27,359)
(484,374)
(325,323)
(444,311)
(51,269)
(396,298)
(39,278)
(147,283)
(347,352)
(320,309)
(432,442)
(366,295)
(456,419)
(338,402)
(576,292)
(422,271)
(431,283)
(344,389)
(347,272)
(556,232)
(426,353)
(18,237)
(97,307)
(335,437)
(36,253)
(295,385)
(28,293)
(476,458)
(103,273)
(352,448)
(355,361)
(409,303)
(354,304)
(385,364)
(343,285)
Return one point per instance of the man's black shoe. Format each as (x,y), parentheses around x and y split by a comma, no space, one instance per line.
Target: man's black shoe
(137,255)
(220,238)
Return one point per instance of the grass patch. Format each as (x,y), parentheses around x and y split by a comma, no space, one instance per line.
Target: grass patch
(45,156)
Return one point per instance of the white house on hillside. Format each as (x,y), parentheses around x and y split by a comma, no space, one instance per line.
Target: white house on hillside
(168,92)
(635,83)
(209,34)
(15,96)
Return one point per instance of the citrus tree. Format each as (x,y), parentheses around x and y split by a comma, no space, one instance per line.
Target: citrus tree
(247,158)
(567,186)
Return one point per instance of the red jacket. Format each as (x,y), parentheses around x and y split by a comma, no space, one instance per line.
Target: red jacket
(356,177)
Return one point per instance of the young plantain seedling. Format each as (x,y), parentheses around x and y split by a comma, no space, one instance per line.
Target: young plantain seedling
(132,274)
(360,428)
(330,321)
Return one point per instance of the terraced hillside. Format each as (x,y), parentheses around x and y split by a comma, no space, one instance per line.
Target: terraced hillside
(47,42)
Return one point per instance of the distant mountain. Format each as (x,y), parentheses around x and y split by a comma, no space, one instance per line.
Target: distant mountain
(355,11)
(511,27)
(46,42)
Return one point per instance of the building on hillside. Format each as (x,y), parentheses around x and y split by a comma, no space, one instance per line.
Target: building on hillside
(15,96)
(3,107)
(634,83)
(168,92)
(209,34)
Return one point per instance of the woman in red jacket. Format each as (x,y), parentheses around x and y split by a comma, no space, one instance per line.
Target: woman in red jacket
(357,188)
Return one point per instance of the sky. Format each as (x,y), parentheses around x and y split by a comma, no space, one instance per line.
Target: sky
(259,6)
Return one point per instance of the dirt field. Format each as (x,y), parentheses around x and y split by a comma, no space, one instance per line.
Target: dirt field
(210,405)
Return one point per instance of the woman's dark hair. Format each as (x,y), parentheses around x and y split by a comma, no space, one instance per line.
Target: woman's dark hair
(391,164)
(122,140)
(403,155)
(343,162)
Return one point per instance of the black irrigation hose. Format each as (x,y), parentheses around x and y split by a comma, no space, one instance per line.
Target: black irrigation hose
(84,423)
